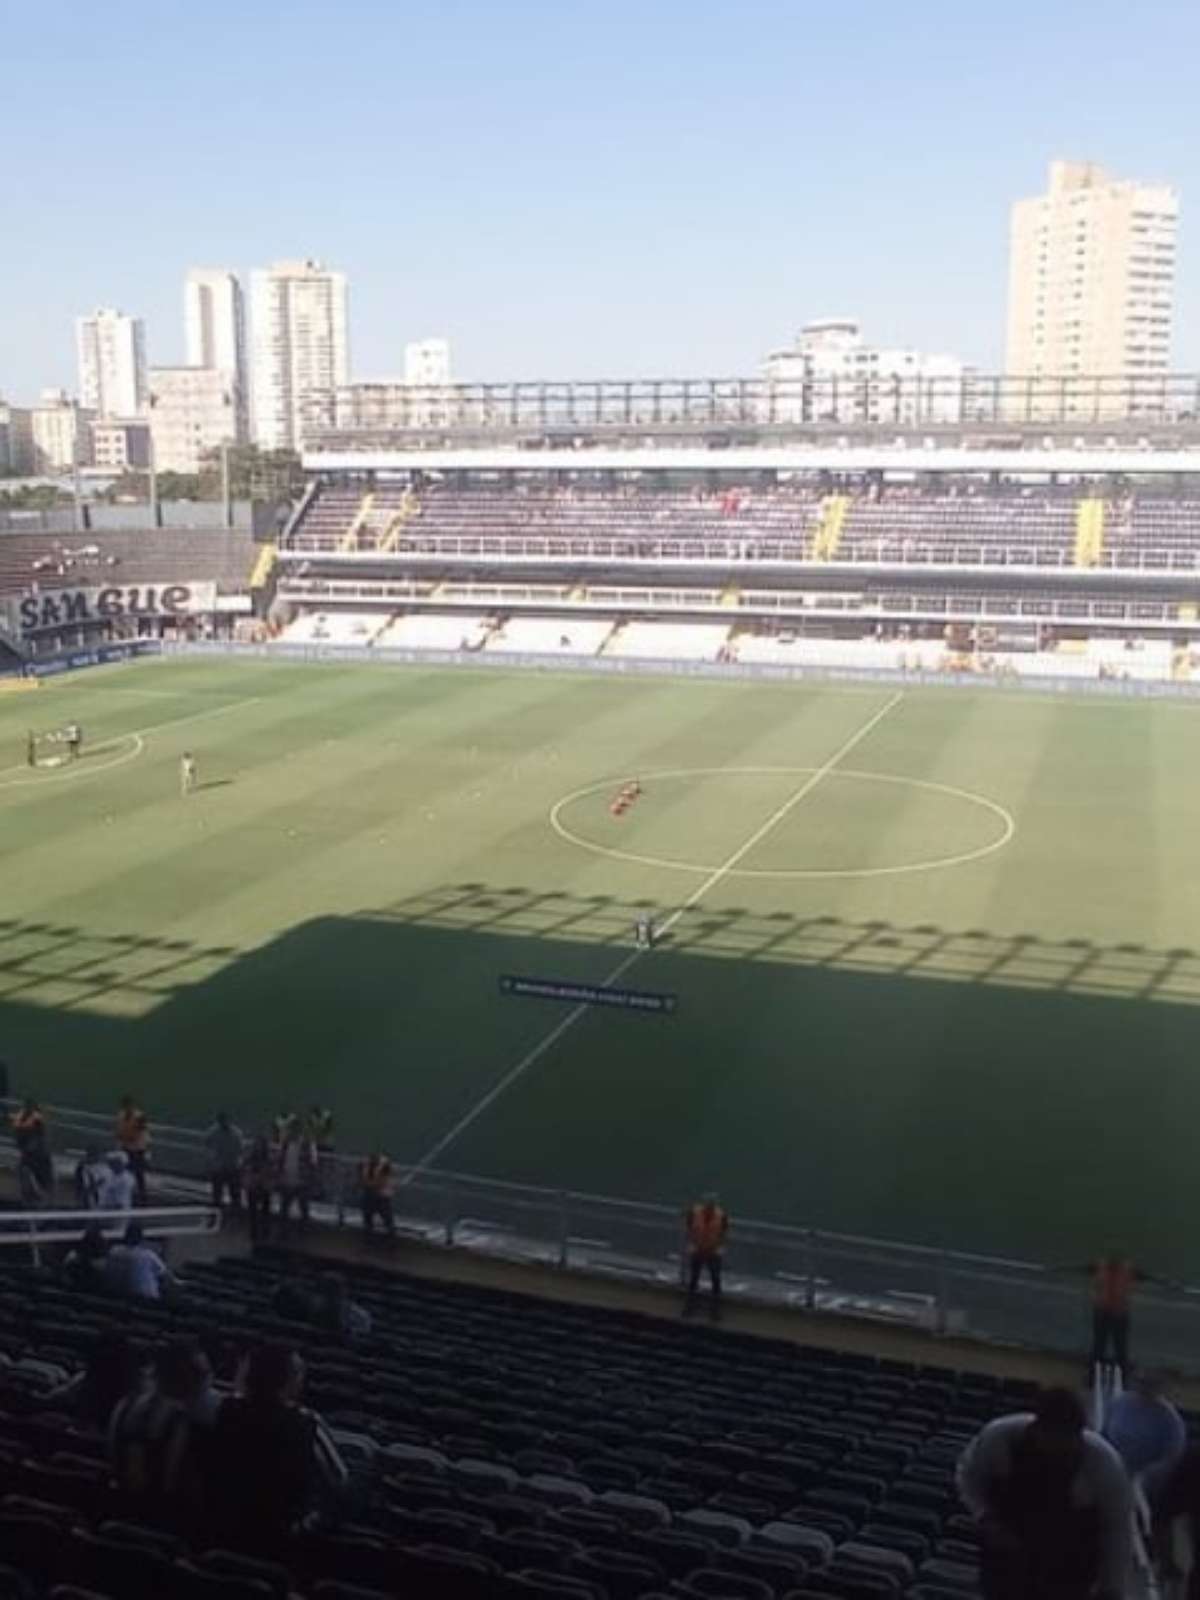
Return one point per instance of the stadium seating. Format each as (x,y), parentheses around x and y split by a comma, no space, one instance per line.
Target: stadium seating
(92,560)
(668,641)
(504,1445)
(334,627)
(567,636)
(432,630)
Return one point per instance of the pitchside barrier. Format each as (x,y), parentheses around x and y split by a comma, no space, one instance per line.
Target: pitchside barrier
(724,672)
(944,1292)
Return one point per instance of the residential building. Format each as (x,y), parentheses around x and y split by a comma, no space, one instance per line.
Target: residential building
(1091,290)
(112,363)
(60,433)
(121,444)
(830,374)
(299,342)
(427,362)
(215,330)
(16,439)
(193,410)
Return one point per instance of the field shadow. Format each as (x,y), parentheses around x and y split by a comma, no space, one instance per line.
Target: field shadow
(998,1093)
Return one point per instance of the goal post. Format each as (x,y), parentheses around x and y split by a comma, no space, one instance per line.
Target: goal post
(48,747)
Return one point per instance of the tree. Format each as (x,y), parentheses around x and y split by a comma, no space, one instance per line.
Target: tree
(254,474)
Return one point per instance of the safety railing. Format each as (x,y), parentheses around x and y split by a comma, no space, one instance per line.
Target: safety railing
(37,1229)
(920,1287)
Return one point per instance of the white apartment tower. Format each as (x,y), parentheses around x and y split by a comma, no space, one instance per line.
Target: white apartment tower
(112,363)
(214,318)
(1091,283)
(298,315)
(427,363)
(831,374)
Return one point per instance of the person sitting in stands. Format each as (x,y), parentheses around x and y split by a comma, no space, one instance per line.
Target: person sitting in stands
(90,1177)
(274,1465)
(136,1270)
(83,1264)
(114,1369)
(157,1439)
(118,1189)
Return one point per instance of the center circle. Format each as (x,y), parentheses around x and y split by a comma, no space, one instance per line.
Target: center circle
(792,788)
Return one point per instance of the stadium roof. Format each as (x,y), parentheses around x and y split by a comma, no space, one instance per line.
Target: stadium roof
(886,458)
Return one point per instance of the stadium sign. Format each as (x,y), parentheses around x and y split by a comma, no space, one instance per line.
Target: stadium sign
(56,608)
(588,994)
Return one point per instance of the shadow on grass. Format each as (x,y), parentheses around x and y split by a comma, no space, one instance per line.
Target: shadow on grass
(1028,1101)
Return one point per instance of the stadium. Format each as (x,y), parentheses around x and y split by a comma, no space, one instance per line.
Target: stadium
(607,794)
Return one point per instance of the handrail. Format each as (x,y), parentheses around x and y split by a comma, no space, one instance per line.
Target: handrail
(918,1286)
(38,1228)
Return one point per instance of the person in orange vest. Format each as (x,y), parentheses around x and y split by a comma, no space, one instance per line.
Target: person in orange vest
(1114,1277)
(133,1137)
(35,1166)
(707,1224)
(378,1187)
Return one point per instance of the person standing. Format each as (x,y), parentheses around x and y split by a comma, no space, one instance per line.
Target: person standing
(1114,1278)
(378,1188)
(295,1176)
(74,737)
(91,1175)
(187,773)
(1146,1431)
(707,1224)
(133,1138)
(118,1189)
(225,1147)
(1053,1503)
(35,1166)
(258,1175)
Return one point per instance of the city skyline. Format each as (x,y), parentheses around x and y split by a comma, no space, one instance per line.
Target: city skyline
(558,205)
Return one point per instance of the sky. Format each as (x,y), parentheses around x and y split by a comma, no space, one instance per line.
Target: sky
(631,188)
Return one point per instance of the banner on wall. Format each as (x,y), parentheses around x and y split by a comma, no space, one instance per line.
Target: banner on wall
(42,609)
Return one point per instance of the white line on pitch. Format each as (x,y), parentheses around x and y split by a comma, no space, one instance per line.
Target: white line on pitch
(157,727)
(572,1017)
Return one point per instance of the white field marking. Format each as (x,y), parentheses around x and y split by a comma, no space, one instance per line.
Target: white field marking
(141,734)
(76,769)
(566,1023)
(1008,825)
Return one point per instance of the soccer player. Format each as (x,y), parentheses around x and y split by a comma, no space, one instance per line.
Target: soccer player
(31,751)
(187,773)
(644,932)
(73,734)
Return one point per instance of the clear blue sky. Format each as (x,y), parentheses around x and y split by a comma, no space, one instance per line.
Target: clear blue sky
(567,188)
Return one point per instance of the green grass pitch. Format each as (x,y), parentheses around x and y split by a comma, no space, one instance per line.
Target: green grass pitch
(994,1048)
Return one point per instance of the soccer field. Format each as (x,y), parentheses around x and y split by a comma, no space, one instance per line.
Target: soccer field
(932,949)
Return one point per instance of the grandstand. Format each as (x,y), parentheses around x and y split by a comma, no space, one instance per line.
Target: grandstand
(1046,562)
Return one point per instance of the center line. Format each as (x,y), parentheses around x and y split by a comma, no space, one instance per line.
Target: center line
(714,878)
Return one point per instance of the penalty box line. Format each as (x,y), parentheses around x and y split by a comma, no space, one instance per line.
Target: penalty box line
(565,1024)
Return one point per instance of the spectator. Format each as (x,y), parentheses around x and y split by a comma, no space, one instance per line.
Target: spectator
(91,1174)
(295,1176)
(1146,1431)
(225,1147)
(114,1369)
(378,1187)
(133,1137)
(35,1168)
(258,1172)
(336,1311)
(135,1269)
(117,1191)
(707,1225)
(1179,1499)
(318,1126)
(155,1439)
(1054,1505)
(274,1464)
(83,1265)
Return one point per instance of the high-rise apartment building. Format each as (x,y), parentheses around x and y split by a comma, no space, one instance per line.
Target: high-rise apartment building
(831,374)
(193,410)
(1092,283)
(298,318)
(427,362)
(215,329)
(112,363)
(60,433)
